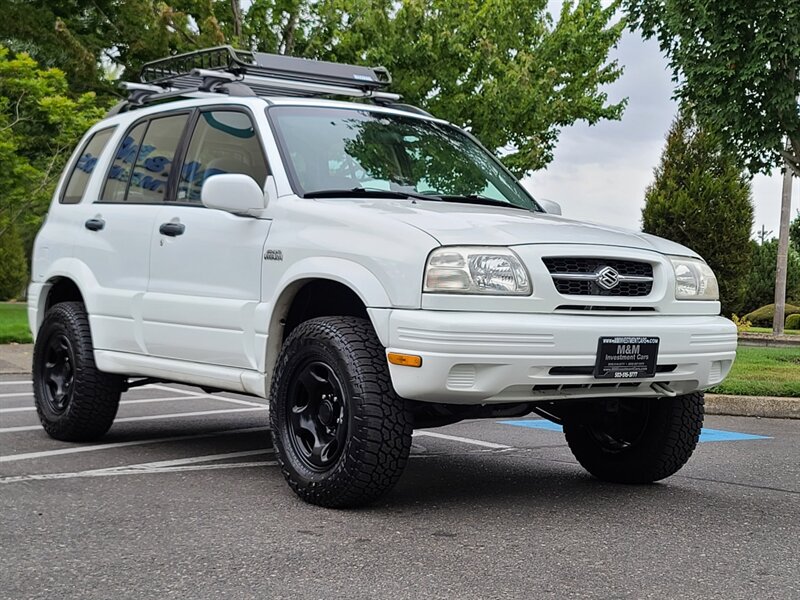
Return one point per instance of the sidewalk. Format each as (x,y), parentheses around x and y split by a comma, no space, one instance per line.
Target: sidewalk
(16,359)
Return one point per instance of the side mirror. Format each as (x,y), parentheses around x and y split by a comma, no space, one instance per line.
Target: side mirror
(550,207)
(234,193)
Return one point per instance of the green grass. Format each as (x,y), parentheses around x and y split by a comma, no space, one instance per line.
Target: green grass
(14,323)
(769,330)
(763,372)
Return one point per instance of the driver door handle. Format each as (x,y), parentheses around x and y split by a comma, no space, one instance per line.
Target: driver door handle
(172,229)
(94,224)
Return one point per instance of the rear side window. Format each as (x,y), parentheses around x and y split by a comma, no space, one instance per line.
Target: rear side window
(84,166)
(144,161)
(223,141)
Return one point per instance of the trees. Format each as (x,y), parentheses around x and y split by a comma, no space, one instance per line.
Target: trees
(701,198)
(738,64)
(794,233)
(39,126)
(760,282)
(504,69)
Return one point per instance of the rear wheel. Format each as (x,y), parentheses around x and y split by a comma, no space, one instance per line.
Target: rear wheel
(75,402)
(341,434)
(635,440)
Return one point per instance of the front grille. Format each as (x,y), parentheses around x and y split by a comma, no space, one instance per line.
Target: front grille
(577,276)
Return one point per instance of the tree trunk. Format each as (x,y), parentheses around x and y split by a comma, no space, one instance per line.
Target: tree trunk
(783,253)
(236,11)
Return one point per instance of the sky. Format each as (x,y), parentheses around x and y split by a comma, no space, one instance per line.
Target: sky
(600,173)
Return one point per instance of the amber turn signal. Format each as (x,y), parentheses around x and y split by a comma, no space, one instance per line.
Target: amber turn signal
(405,360)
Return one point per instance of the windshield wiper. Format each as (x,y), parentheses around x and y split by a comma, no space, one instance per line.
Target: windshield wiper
(477,199)
(368,192)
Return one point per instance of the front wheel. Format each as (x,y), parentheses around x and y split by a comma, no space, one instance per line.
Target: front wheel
(635,440)
(341,434)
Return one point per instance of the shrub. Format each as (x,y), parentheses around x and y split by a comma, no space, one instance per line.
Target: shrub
(742,324)
(793,321)
(762,317)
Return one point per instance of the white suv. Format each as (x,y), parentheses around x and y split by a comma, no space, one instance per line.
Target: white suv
(369,268)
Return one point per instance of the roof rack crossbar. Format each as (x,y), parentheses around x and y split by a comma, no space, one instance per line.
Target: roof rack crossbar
(266,74)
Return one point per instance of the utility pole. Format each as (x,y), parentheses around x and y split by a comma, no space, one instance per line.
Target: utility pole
(783,252)
(762,235)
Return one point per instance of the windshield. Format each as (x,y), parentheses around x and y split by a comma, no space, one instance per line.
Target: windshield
(331,149)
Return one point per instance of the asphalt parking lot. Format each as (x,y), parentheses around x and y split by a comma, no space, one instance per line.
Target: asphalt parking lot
(182,499)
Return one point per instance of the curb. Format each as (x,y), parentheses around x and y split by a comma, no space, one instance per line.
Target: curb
(753,406)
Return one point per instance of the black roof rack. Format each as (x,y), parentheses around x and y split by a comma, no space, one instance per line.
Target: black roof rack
(266,74)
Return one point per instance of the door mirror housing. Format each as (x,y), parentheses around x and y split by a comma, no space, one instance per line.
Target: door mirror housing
(550,207)
(234,193)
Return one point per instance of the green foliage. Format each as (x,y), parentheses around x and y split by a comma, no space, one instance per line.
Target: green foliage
(502,68)
(761,279)
(13,265)
(794,233)
(701,199)
(763,372)
(762,317)
(737,63)
(793,321)
(40,123)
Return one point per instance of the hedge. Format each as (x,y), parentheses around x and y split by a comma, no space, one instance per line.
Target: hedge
(793,321)
(762,317)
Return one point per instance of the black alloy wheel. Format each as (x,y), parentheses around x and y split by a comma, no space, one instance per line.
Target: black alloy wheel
(75,401)
(318,420)
(57,373)
(341,434)
(635,440)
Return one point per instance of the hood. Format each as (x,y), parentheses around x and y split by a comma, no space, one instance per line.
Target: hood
(464,224)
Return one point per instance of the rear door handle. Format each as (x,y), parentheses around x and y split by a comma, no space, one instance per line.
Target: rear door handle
(95,224)
(172,229)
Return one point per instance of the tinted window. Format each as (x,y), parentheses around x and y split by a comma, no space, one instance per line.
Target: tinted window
(84,167)
(222,142)
(120,172)
(151,158)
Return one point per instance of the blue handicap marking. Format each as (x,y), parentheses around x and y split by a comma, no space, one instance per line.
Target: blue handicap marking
(706,435)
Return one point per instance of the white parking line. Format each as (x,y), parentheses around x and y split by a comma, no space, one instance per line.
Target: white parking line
(27,382)
(136,401)
(455,438)
(162,466)
(200,413)
(112,445)
(17,395)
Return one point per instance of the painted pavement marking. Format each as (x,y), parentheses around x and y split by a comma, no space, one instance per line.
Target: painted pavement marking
(96,447)
(706,435)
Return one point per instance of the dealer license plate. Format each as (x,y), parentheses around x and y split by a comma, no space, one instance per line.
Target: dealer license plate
(626,357)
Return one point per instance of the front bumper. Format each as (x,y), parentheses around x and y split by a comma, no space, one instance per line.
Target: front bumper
(477,358)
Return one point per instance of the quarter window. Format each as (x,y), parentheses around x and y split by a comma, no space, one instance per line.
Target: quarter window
(223,141)
(84,166)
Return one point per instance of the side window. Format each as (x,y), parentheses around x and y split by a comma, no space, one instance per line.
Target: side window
(223,141)
(144,160)
(84,166)
(120,172)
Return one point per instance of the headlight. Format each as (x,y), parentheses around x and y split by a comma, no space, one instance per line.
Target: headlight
(694,280)
(476,270)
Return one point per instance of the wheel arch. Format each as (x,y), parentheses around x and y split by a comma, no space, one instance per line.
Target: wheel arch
(320,293)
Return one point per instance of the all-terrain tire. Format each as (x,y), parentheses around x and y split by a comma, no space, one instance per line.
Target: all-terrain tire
(667,439)
(87,402)
(378,426)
